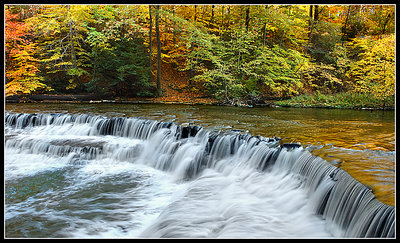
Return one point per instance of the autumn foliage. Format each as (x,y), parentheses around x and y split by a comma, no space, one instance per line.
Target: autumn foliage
(204,52)
(21,64)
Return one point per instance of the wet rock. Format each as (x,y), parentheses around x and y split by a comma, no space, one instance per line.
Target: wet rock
(290,146)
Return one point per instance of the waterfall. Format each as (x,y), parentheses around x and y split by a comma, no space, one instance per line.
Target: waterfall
(348,208)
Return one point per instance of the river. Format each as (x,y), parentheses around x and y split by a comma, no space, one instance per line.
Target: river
(361,142)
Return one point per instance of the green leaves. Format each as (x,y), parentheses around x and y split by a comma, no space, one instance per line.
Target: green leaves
(277,69)
(120,66)
(235,65)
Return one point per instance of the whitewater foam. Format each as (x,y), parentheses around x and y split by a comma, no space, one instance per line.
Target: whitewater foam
(129,177)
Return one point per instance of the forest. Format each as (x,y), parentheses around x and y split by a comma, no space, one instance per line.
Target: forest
(224,52)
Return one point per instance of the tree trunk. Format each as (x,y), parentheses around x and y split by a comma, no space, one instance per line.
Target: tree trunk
(159,91)
(212,17)
(265,33)
(72,45)
(71,35)
(247,17)
(150,41)
(280,42)
(228,16)
(316,13)
(191,71)
(174,26)
(345,25)
(222,19)
(385,23)
(310,25)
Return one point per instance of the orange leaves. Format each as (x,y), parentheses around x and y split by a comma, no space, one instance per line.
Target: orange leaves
(14,30)
(21,66)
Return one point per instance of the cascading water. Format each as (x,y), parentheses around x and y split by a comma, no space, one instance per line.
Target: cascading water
(78,175)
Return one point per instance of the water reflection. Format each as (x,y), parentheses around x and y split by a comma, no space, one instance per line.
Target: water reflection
(359,141)
(374,168)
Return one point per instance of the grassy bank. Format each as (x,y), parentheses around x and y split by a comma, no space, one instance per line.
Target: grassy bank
(340,100)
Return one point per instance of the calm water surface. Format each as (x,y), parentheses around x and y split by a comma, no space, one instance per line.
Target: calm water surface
(359,141)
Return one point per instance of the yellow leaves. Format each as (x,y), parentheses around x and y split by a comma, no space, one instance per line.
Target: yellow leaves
(163,56)
(80,13)
(23,86)
(374,73)
(21,65)
(71,85)
(269,27)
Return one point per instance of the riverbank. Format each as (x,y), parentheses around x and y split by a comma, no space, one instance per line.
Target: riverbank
(337,101)
(95,99)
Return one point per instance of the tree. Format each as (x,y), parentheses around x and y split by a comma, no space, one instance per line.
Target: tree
(234,65)
(119,57)
(277,69)
(232,50)
(380,19)
(374,72)
(60,32)
(21,64)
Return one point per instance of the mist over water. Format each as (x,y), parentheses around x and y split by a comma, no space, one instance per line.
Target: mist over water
(85,176)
